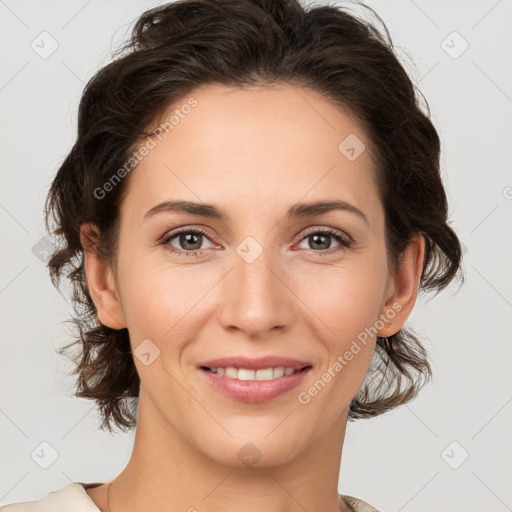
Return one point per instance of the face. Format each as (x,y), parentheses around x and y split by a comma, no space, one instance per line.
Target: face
(258,280)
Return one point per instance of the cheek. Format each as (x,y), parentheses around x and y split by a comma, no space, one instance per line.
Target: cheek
(150,310)
(349,310)
(161,299)
(346,299)
(345,305)
(144,303)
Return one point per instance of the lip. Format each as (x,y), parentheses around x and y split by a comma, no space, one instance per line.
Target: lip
(256,363)
(254,390)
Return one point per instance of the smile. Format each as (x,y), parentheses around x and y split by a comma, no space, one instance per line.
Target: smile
(247,374)
(247,385)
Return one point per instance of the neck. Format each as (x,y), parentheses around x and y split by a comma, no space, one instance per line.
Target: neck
(171,475)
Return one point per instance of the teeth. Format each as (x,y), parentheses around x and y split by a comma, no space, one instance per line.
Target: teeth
(245,374)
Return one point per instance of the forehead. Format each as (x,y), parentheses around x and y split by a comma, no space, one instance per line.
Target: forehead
(246,148)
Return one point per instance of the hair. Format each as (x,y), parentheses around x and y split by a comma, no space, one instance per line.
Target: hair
(180,46)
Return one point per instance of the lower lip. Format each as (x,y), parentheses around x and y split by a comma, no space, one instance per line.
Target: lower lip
(254,390)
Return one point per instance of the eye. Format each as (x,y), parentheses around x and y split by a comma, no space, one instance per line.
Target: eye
(321,238)
(189,241)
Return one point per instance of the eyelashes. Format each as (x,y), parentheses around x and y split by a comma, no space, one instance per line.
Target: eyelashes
(345,241)
(180,232)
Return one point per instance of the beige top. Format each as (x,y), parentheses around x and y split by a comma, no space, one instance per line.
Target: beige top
(73,498)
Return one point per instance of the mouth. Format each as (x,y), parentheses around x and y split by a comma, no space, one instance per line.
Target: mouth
(254,380)
(262,374)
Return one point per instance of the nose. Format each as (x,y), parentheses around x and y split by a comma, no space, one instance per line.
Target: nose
(256,296)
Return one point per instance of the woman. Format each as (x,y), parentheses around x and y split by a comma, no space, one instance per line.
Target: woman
(250,209)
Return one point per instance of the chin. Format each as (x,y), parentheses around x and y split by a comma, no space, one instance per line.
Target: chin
(257,452)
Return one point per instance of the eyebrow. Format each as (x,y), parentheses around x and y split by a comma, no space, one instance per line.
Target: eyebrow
(297,211)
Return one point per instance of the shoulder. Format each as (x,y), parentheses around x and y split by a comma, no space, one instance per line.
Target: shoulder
(72,497)
(357,504)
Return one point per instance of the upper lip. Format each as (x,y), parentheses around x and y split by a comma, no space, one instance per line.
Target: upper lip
(256,363)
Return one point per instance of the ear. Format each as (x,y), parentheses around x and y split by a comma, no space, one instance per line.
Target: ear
(404,288)
(100,280)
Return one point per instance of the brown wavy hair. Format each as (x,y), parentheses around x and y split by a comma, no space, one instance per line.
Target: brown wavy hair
(179,46)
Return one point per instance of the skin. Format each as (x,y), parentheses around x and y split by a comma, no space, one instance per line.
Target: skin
(253,153)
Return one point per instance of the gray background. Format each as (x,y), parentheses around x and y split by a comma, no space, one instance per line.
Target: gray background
(410,459)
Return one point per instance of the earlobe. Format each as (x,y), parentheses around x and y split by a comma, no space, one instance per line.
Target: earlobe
(100,280)
(406,283)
